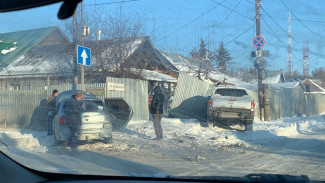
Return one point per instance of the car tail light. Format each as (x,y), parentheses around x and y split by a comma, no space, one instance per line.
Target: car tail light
(62,120)
(252,106)
(210,103)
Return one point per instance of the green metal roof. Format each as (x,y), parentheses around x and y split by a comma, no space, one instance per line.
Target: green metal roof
(15,44)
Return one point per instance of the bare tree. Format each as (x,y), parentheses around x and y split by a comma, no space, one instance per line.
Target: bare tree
(117,51)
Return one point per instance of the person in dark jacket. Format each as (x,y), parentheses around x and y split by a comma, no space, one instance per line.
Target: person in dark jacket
(51,106)
(157,109)
(73,115)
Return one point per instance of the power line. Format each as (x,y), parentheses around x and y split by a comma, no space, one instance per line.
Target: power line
(291,36)
(239,35)
(250,2)
(232,10)
(117,2)
(301,21)
(188,22)
(315,21)
(279,25)
(274,35)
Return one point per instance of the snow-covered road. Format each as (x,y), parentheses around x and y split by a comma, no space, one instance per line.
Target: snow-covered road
(294,146)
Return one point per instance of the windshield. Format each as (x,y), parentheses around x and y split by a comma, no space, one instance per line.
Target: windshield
(93,105)
(231,92)
(145,72)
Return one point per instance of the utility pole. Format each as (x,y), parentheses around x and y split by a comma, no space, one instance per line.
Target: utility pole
(82,44)
(84,32)
(259,59)
(75,65)
(289,51)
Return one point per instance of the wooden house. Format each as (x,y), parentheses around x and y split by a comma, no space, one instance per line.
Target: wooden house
(27,58)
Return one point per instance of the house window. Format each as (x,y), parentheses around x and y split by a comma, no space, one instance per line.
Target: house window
(15,87)
(307,87)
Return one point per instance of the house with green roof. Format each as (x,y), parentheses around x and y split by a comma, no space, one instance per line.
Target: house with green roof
(21,67)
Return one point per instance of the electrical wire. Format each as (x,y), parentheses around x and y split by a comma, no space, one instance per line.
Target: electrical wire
(239,35)
(317,54)
(203,14)
(301,21)
(277,37)
(279,25)
(232,10)
(117,2)
(250,2)
(315,21)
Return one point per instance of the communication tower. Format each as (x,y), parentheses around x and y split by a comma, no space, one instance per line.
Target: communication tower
(305,61)
(289,52)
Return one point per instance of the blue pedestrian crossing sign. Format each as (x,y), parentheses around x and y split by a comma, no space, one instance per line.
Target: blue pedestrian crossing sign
(83,55)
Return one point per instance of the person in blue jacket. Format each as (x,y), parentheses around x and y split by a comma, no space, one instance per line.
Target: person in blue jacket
(73,115)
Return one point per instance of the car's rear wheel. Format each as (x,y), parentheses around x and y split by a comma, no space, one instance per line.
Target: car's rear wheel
(210,124)
(108,140)
(249,125)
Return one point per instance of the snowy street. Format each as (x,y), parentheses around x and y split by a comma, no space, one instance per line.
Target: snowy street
(291,146)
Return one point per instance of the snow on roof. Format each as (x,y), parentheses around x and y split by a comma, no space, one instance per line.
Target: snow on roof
(253,87)
(42,59)
(220,76)
(192,66)
(155,76)
(105,48)
(9,50)
(16,44)
(274,76)
(284,85)
(314,82)
(183,64)
(274,85)
(55,58)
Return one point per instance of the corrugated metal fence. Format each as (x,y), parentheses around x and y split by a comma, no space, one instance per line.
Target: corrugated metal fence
(28,108)
(135,94)
(189,86)
(23,108)
(191,93)
(191,97)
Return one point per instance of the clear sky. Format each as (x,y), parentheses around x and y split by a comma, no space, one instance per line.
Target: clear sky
(177,26)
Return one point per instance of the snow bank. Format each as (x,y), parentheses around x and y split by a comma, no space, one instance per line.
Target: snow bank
(183,131)
(26,140)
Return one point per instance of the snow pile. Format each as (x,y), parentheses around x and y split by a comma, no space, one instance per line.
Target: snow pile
(26,140)
(107,147)
(264,132)
(182,132)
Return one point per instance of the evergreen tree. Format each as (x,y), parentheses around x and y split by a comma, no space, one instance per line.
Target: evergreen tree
(194,53)
(222,56)
(203,53)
